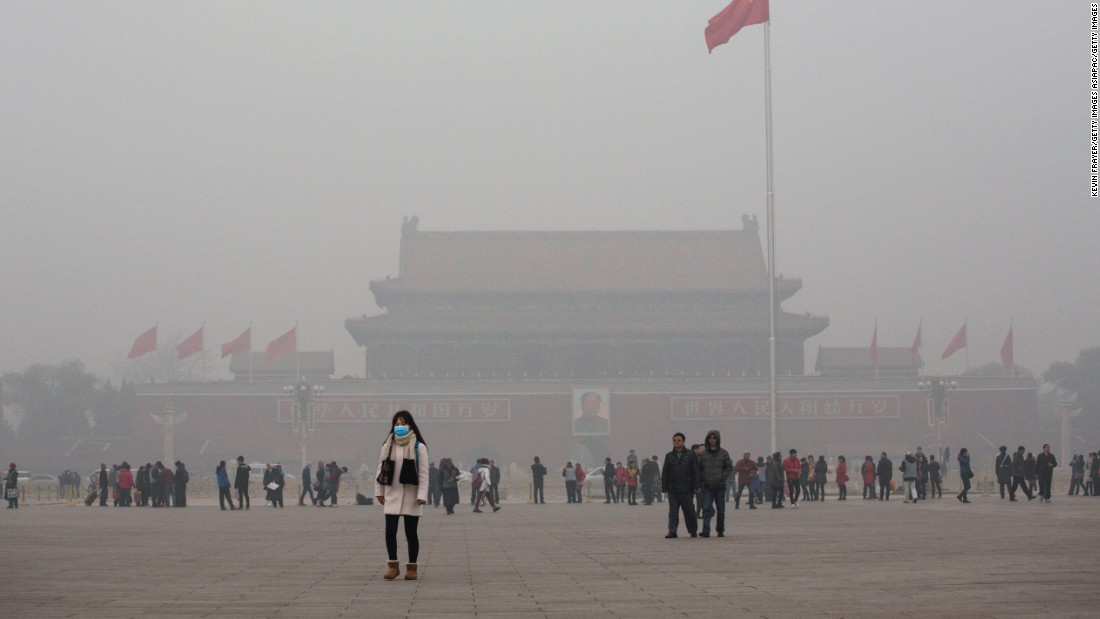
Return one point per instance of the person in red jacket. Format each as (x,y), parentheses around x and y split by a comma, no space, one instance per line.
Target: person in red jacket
(868,478)
(792,466)
(746,470)
(125,485)
(842,477)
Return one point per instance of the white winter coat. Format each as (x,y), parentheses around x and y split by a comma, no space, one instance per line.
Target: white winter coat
(401,498)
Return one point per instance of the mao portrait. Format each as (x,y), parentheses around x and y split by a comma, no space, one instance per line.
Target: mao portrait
(591,412)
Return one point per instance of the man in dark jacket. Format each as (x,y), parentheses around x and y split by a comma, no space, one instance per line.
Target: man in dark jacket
(650,474)
(773,477)
(821,475)
(885,476)
(181,479)
(240,482)
(609,481)
(538,475)
(435,493)
(1044,465)
(494,478)
(716,467)
(1002,465)
(104,483)
(307,486)
(1019,475)
(680,480)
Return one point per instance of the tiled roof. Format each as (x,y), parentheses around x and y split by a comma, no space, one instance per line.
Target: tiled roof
(619,261)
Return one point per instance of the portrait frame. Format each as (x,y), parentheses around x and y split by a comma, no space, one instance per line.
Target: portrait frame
(598,424)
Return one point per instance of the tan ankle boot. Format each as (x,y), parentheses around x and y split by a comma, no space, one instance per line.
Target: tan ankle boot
(410,571)
(391,570)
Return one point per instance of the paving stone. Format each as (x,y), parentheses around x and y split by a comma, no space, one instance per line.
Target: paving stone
(837,559)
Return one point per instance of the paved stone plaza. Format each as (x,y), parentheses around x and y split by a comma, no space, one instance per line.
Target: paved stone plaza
(852,559)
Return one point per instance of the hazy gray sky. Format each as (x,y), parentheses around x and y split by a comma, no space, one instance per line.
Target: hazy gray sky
(228,162)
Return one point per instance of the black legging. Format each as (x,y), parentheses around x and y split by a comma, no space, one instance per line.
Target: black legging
(410,536)
(631,494)
(966,488)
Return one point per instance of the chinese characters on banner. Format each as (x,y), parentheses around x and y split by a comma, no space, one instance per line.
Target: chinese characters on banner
(801,406)
(382,409)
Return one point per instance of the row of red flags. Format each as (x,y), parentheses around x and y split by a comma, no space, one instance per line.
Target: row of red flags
(956,344)
(283,345)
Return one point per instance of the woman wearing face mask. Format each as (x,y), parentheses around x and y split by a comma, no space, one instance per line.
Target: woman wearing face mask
(406,447)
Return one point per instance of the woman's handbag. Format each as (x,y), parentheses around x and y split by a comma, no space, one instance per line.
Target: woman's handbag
(11,493)
(385,472)
(409,472)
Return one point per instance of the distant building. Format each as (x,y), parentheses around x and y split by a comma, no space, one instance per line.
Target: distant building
(580,304)
(306,365)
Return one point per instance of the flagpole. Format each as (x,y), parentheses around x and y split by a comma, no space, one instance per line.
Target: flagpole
(876,348)
(772,388)
(966,322)
(1010,320)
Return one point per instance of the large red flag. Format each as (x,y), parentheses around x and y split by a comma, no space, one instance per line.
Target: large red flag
(190,346)
(146,342)
(285,344)
(243,343)
(1007,357)
(874,347)
(740,13)
(957,342)
(914,350)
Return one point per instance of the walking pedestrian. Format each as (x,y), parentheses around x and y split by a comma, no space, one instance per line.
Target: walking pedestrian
(307,486)
(965,473)
(746,472)
(448,483)
(1019,475)
(223,486)
(773,477)
(680,480)
(935,478)
(715,466)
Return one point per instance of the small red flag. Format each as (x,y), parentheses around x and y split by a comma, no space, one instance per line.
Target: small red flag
(190,346)
(957,342)
(146,342)
(740,13)
(243,343)
(285,344)
(914,350)
(1007,357)
(874,347)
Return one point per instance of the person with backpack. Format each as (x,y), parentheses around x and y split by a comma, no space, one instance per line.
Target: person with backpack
(483,479)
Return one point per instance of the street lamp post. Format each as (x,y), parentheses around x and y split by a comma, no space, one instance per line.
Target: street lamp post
(939,404)
(304,393)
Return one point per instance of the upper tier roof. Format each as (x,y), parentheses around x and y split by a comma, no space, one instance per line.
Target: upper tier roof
(601,261)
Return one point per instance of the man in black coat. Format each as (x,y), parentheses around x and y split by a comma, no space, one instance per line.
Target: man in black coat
(1044,465)
(104,483)
(1019,475)
(609,481)
(680,480)
(1002,466)
(650,475)
(538,475)
(240,482)
(885,475)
